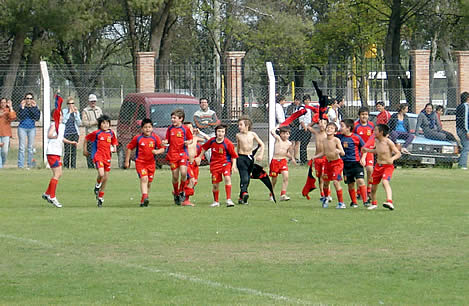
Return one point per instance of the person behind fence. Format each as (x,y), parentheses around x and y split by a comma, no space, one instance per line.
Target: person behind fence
(205,119)
(400,128)
(462,128)
(55,142)
(428,122)
(245,163)
(439,110)
(341,102)
(295,126)
(72,121)
(28,114)
(305,134)
(279,110)
(383,116)
(89,117)
(7,115)
(333,114)
(104,143)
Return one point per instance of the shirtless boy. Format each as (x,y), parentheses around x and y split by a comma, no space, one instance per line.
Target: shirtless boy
(245,139)
(387,153)
(331,147)
(320,162)
(279,162)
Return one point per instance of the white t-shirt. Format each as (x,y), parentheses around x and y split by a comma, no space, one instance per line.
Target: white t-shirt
(279,113)
(55,145)
(306,118)
(333,116)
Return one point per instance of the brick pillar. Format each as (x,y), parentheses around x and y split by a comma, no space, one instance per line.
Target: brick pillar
(420,79)
(234,83)
(462,58)
(146,71)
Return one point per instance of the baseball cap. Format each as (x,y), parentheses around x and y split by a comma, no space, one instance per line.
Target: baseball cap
(92,98)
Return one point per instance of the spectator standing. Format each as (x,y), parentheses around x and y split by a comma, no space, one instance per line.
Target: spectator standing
(295,126)
(462,128)
(90,116)
(340,110)
(400,128)
(305,134)
(206,119)
(7,115)
(383,116)
(72,121)
(428,121)
(333,114)
(279,110)
(28,114)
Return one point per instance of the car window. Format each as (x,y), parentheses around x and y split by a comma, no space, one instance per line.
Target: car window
(161,113)
(127,112)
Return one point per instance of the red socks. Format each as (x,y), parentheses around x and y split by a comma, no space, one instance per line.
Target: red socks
(363,193)
(228,191)
(353,195)
(216,195)
(326,191)
(176,188)
(144,196)
(340,196)
(52,187)
(283,192)
(101,194)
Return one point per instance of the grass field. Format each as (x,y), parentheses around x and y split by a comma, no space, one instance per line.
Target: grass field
(291,253)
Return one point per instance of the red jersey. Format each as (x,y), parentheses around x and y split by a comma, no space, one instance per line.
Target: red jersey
(383,117)
(364,131)
(222,153)
(101,142)
(144,145)
(176,137)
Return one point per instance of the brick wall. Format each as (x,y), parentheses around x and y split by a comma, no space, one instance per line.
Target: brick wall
(146,71)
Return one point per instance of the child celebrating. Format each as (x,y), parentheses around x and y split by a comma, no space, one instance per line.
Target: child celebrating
(147,145)
(104,143)
(54,152)
(279,163)
(178,137)
(364,128)
(387,153)
(320,162)
(193,166)
(245,139)
(222,163)
(332,149)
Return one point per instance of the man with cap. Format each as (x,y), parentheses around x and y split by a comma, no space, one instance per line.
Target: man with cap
(90,116)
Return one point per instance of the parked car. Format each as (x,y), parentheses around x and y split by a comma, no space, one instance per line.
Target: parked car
(157,107)
(424,151)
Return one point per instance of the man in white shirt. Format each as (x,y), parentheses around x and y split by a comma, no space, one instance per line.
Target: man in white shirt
(333,114)
(279,110)
(305,135)
(89,117)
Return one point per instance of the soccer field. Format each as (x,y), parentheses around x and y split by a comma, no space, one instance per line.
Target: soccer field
(288,253)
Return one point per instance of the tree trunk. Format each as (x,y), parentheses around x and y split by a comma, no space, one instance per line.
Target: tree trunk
(392,55)
(13,63)
(33,71)
(450,72)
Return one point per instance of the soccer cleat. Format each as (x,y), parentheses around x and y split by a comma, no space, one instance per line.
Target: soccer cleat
(353,205)
(341,206)
(96,190)
(215,204)
(367,203)
(388,205)
(146,201)
(325,202)
(55,202)
(182,197)
(271,199)
(284,197)
(46,197)
(187,203)
(359,197)
(177,199)
(372,206)
(100,202)
(329,198)
(245,197)
(229,203)
(142,205)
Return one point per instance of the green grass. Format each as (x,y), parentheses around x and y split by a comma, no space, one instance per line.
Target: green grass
(294,252)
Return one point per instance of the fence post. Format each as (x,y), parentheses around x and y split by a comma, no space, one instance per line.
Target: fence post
(234,88)
(270,73)
(420,79)
(463,73)
(45,108)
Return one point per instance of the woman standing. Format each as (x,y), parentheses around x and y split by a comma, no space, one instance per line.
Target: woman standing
(72,121)
(28,114)
(7,115)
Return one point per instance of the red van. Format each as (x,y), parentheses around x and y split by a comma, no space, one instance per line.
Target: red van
(157,107)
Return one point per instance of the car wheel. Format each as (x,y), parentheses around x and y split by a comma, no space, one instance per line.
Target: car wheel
(120,156)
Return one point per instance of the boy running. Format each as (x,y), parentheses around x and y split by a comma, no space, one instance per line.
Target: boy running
(332,149)
(222,163)
(178,137)
(320,162)
(353,167)
(279,163)
(147,145)
(245,139)
(54,152)
(104,143)
(364,129)
(387,153)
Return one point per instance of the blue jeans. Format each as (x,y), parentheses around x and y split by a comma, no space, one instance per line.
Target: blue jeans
(4,150)
(464,151)
(23,136)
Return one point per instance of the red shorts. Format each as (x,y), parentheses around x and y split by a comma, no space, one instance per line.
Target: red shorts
(145,169)
(106,164)
(381,172)
(277,166)
(220,171)
(319,164)
(370,160)
(54,161)
(193,170)
(333,170)
(177,160)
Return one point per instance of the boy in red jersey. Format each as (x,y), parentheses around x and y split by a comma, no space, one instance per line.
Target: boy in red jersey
(387,153)
(178,137)
(147,145)
(332,149)
(364,129)
(104,143)
(222,163)
(383,116)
